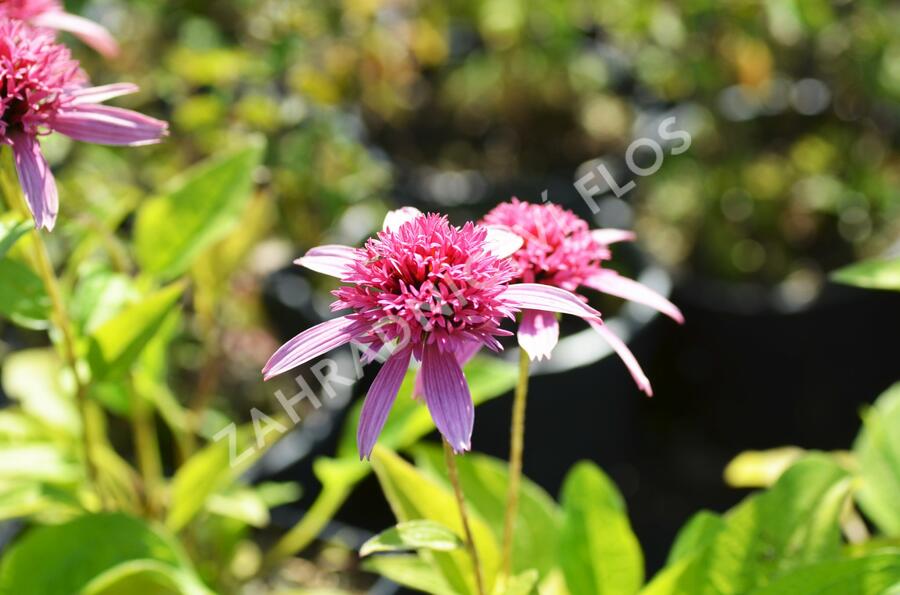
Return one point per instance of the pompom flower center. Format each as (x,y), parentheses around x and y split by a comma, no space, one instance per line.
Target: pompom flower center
(558,249)
(428,282)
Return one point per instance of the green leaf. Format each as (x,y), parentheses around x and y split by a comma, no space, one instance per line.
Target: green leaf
(172,230)
(34,378)
(871,575)
(242,504)
(412,535)
(410,571)
(115,346)
(412,496)
(22,296)
(43,462)
(521,584)
(760,468)
(484,480)
(871,274)
(100,295)
(877,449)
(22,498)
(598,551)
(695,535)
(147,577)
(65,559)
(793,524)
(11,232)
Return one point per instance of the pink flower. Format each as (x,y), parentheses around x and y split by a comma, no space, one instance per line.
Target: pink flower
(43,90)
(428,290)
(50,14)
(559,249)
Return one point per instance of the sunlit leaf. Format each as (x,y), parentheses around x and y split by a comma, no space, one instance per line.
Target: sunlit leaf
(412,535)
(172,230)
(64,559)
(877,449)
(695,535)
(410,571)
(115,346)
(10,232)
(22,296)
(413,496)
(598,551)
(871,575)
(760,468)
(147,577)
(33,377)
(871,274)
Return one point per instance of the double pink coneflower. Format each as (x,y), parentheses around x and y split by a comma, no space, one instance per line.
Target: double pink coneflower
(431,291)
(43,90)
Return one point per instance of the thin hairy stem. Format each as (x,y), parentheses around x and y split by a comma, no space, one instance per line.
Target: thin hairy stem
(453,474)
(516,448)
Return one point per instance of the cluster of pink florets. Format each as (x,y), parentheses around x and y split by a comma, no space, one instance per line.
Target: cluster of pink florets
(26,9)
(428,281)
(34,73)
(558,247)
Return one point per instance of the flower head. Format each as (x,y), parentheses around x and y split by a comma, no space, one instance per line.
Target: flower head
(425,289)
(43,90)
(50,14)
(559,249)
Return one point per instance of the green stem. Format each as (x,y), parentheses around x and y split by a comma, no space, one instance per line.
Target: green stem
(146,445)
(44,267)
(453,474)
(516,448)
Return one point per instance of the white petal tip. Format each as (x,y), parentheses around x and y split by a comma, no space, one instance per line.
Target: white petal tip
(502,242)
(395,219)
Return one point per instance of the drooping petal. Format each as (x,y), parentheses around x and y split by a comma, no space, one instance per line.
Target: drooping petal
(502,242)
(611,236)
(379,399)
(396,218)
(624,354)
(609,281)
(36,179)
(538,333)
(448,398)
(108,125)
(86,30)
(311,343)
(465,351)
(331,259)
(102,93)
(536,296)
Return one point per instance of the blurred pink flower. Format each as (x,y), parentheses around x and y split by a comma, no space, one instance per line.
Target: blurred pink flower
(50,14)
(559,249)
(429,290)
(43,90)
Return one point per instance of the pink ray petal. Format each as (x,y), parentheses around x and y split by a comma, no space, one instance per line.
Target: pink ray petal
(536,296)
(331,259)
(465,351)
(36,179)
(538,333)
(311,343)
(502,242)
(86,30)
(609,281)
(611,236)
(624,354)
(448,398)
(379,399)
(396,218)
(108,125)
(102,93)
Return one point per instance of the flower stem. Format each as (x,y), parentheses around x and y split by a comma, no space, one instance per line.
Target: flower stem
(453,474)
(516,447)
(44,268)
(146,445)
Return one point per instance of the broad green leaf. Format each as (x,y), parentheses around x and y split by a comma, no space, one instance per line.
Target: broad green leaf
(22,296)
(760,468)
(145,577)
(115,346)
(40,462)
(877,449)
(10,232)
(242,504)
(598,551)
(100,295)
(172,230)
(695,535)
(485,480)
(871,575)
(34,378)
(521,584)
(410,571)
(871,274)
(20,499)
(64,559)
(412,535)
(793,524)
(412,496)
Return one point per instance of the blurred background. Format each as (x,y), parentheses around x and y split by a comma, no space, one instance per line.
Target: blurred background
(793,171)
